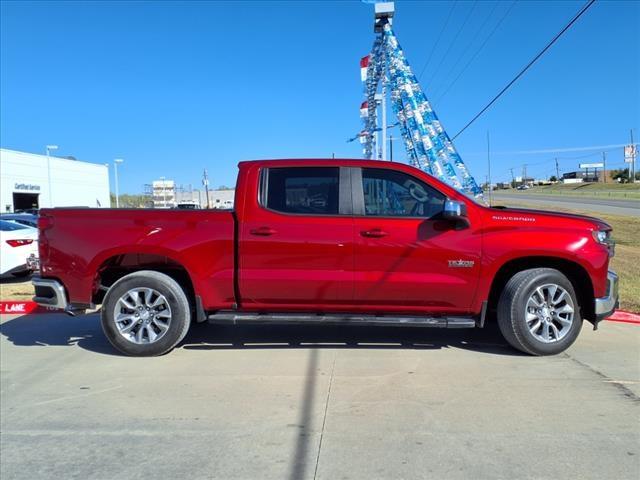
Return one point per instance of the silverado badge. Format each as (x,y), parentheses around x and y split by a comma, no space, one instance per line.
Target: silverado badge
(461,263)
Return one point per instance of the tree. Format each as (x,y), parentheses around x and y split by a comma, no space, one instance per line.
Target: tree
(553,178)
(130,201)
(622,175)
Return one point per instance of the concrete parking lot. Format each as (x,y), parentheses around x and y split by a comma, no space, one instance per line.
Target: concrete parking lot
(312,402)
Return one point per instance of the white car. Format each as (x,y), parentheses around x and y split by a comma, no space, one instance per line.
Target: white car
(18,248)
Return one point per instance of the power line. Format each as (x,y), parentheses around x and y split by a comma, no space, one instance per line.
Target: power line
(553,40)
(472,41)
(557,150)
(435,45)
(477,52)
(455,38)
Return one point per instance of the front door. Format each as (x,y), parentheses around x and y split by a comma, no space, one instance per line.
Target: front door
(407,257)
(296,250)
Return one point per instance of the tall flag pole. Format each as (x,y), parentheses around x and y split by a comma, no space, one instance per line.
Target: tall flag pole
(428,145)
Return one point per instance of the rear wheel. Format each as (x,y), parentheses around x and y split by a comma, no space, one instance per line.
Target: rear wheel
(538,312)
(145,313)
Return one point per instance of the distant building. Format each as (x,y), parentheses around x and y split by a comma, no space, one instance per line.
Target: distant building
(188,195)
(525,180)
(163,193)
(221,199)
(579,177)
(166,194)
(31,181)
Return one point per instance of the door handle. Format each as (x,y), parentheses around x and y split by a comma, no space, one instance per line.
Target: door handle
(374,233)
(263,231)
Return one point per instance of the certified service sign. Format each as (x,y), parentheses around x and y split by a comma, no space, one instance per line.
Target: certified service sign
(27,186)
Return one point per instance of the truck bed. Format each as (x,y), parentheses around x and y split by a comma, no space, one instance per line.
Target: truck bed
(76,243)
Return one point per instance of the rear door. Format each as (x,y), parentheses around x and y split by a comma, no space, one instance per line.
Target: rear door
(407,257)
(296,248)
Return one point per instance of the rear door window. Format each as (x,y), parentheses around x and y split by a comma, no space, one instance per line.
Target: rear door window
(302,190)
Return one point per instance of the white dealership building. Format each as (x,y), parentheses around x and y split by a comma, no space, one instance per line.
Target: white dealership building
(28,180)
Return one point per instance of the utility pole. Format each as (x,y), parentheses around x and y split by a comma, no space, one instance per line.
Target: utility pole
(117,161)
(379,135)
(49,148)
(384,118)
(557,171)
(524,173)
(513,179)
(604,167)
(391,139)
(632,168)
(205,182)
(383,15)
(489,166)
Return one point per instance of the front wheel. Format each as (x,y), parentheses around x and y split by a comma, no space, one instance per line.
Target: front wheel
(538,312)
(145,314)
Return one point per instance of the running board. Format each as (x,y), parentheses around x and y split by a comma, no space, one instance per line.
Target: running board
(230,317)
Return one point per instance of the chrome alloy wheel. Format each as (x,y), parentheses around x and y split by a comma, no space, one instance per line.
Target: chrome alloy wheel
(549,313)
(142,315)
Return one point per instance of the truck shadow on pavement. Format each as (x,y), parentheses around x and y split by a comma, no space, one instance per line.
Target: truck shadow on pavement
(40,330)
(57,329)
(221,337)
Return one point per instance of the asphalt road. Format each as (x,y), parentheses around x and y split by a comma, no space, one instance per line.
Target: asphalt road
(313,402)
(611,206)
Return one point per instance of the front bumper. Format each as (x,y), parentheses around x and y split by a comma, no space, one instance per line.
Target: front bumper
(50,293)
(605,306)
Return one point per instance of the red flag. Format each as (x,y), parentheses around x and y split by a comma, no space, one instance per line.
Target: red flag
(364,109)
(364,64)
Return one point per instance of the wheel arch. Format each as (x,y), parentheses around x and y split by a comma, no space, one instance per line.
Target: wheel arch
(576,273)
(117,266)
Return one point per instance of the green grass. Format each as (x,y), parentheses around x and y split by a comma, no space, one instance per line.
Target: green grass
(626,262)
(629,191)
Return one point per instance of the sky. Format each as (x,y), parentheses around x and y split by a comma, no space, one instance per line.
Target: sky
(176,87)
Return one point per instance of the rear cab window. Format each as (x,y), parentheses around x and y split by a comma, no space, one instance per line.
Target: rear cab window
(301,190)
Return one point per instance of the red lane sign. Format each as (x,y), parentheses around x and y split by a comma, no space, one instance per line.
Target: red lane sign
(23,308)
(625,317)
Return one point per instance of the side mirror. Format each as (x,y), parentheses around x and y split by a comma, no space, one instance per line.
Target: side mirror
(456,211)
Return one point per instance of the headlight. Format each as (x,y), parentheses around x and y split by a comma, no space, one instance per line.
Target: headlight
(600,236)
(604,237)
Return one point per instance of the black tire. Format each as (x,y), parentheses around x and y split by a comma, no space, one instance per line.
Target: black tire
(176,298)
(512,305)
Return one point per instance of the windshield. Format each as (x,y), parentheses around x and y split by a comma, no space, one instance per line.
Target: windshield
(10,226)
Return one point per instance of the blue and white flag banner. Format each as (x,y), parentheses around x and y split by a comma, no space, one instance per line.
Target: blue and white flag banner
(427,143)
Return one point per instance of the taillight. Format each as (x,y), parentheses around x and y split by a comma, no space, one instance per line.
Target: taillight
(44,222)
(20,243)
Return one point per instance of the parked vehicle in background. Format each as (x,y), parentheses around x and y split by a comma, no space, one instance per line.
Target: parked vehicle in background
(330,242)
(28,211)
(18,249)
(523,187)
(27,219)
(188,206)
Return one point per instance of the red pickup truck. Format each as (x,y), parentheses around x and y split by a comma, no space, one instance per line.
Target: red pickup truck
(330,242)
